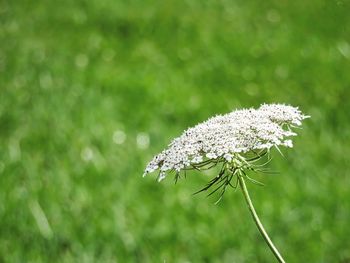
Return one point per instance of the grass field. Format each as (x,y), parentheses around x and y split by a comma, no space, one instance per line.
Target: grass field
(91,90)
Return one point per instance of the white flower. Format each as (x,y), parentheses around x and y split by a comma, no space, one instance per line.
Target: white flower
(197,159)
(211,155)
(223,136)
(228,157)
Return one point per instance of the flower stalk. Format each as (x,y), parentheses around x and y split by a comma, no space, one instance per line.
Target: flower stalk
(257,220)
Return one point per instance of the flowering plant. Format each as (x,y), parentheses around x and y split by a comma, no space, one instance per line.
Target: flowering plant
(235,141)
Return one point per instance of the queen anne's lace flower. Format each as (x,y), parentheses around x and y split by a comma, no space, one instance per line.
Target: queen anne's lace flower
(225,136)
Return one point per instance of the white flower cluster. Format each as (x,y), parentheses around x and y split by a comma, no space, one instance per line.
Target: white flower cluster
(223,136)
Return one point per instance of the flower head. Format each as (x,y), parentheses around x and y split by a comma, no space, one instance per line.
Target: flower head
(225,138)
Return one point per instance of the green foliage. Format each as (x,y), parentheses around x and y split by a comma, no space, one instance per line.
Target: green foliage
(72,73)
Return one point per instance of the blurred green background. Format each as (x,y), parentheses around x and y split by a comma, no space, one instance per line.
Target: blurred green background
(91,90)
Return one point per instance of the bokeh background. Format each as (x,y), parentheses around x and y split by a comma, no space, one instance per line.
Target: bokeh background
(91,90)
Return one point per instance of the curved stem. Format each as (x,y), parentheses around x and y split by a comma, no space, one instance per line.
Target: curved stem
(257,220)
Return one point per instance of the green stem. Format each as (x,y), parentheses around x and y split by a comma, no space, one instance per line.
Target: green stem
(257,220)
